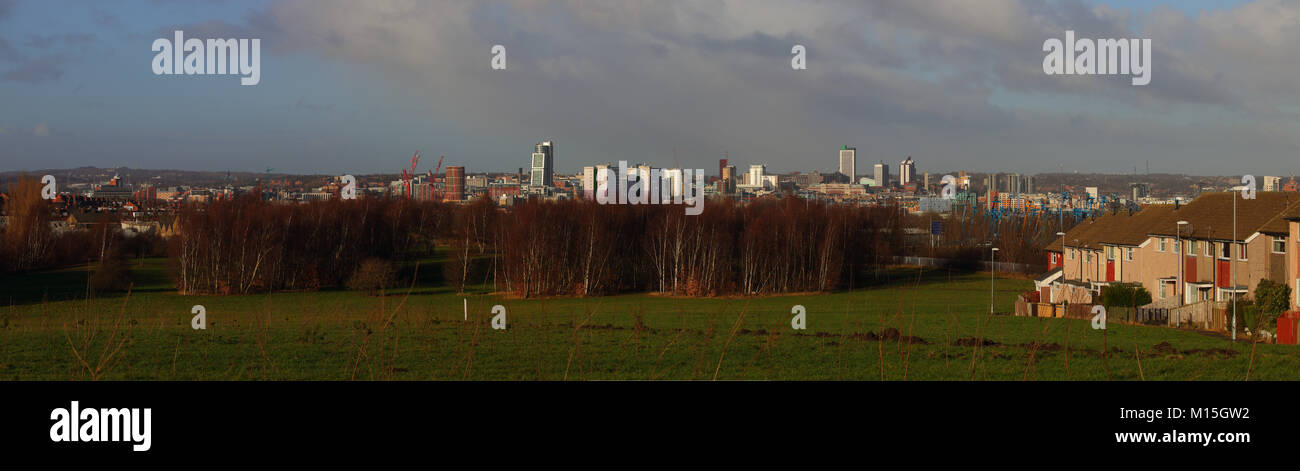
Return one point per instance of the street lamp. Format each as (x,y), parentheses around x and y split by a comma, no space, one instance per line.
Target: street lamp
(1178,249)
(992,268)
(1063,277)
(1062,234)
(1232,259)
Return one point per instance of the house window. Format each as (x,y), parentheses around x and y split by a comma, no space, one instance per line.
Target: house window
(1279,244)
(1160,247)
(1241,251)
(1072,254)
(1128,254)
(1209,249)
(1162,290)
(1225,251)
(1191,248)
(1110,253)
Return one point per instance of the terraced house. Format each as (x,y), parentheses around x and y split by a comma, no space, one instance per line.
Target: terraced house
(1182,254)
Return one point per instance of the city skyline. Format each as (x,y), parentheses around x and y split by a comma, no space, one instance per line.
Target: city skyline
(953,85)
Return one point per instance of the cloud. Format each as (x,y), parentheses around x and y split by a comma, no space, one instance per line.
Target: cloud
(46,41)
(958,84)
(8,53)
(41,130)
(40,70)
(303,105)
(7,8)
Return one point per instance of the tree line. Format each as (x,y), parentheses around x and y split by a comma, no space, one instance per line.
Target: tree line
(533,248)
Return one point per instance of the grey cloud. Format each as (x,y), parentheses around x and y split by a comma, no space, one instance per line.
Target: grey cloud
(8,53)
(636,79)
(46,41)
(44,69)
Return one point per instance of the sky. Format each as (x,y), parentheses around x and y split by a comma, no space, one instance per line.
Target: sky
(357,87)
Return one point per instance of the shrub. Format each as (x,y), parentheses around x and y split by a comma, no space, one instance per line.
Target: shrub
(1125,295)
(372,275)
(110,274)
(1271,299)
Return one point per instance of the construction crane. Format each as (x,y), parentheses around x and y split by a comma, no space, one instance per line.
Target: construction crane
(443,187)
(407,175)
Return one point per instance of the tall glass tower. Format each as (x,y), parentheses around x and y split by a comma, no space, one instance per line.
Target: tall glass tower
(543,165)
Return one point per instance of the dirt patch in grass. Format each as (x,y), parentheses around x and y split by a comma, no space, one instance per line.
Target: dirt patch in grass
(1047,347)
(1167,349)
(889,334)
(1218,352)
(974,341)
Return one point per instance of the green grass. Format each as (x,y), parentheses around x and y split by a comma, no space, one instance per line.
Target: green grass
(50,332)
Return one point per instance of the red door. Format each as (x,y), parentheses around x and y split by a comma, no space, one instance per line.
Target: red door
(1189,270)
(1225,273)
(1110,270)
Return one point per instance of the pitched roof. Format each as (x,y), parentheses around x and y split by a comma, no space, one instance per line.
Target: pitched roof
(1089,232)
(1210,216)
(1118,228)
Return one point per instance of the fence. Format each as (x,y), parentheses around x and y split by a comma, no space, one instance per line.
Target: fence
(1153,316)
(1209,315)
(1005,267)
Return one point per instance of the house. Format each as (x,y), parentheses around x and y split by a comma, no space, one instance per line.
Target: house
(1183,254)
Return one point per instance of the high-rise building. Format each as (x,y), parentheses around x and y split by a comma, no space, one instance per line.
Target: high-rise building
(1140,190)
(1028,187)
(849,161)
(1272,183)
(455,185)
(906,172)
(1013,184)
(727,184)
(882,174)
(592,177)
(543,165)
(756,173)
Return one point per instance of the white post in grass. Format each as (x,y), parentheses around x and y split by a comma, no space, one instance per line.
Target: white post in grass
(992,268)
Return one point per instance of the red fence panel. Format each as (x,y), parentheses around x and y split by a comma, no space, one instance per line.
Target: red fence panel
(1286,327)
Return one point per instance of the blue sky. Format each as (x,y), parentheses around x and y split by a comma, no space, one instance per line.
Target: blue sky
(357,87)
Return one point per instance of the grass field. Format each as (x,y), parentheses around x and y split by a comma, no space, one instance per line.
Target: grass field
(935,326)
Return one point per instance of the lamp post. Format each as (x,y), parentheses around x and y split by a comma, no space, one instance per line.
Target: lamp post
(1080,251)
(1178,249)
(1063,277)
(1062,234)
(992,268)
(1232,262)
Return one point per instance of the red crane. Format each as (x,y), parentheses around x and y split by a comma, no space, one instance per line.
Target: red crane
(438,196)
(406,176)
